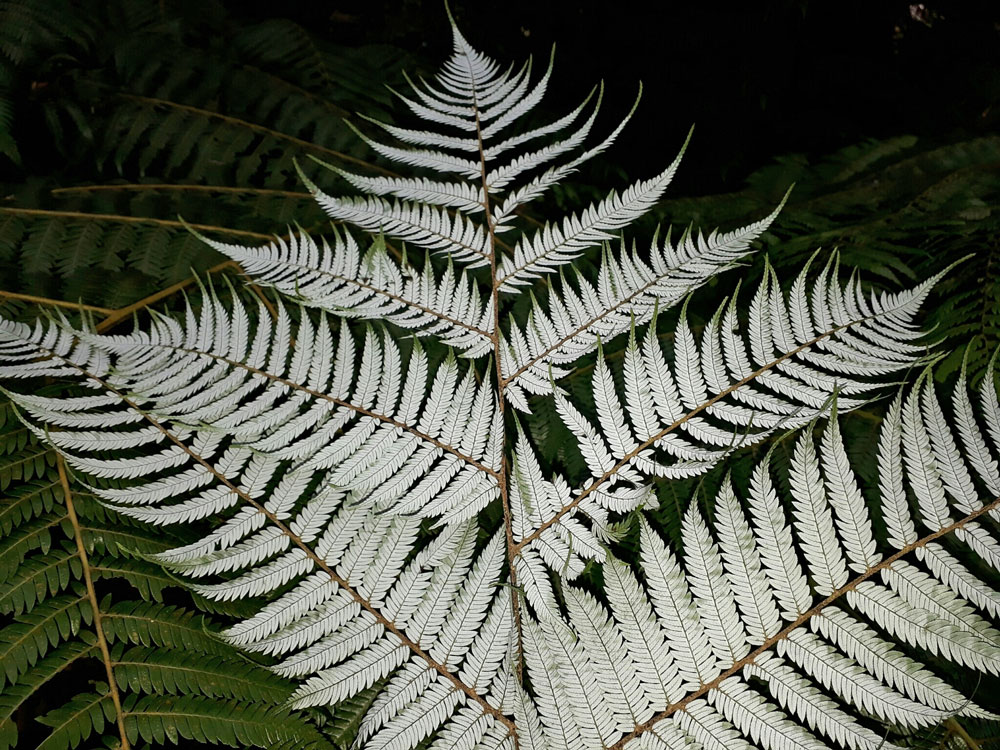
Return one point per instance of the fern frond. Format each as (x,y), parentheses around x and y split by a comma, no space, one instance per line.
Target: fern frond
(422,225)
(554,246)
(396,613)
(342,281)
(751,632)
(737,388)
(628,292)
(150,670)
(163,720)
(406,442)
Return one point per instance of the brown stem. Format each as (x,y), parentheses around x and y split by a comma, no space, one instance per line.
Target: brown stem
(131,220)
(800,621)
(124,312)
(55,302)
(508,518)
(92,595)
(166,186)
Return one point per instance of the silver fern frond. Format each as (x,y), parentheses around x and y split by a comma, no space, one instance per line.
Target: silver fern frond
(771,620)
(372,286)
(358,466)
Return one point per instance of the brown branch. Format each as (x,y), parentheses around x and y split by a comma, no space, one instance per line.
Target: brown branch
(237,122)
(102,642)
(508,518)
(117,316)
(799,622)
(124,312)
(318,561)
(131,220)
(55,302)
(257,291)
(168,187)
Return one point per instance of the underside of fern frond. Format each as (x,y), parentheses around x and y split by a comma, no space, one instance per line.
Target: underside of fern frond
(356,460)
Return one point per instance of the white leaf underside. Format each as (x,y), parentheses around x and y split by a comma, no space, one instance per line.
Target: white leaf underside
(372,287)
(735,605)
(341,474)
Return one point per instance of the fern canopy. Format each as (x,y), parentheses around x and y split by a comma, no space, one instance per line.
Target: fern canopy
(345,469)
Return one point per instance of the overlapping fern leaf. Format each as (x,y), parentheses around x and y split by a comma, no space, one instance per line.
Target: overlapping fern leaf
(892,207)
(370,489)
(78,605)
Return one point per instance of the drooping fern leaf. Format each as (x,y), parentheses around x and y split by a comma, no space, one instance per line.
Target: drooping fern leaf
(369,499)
(158,653)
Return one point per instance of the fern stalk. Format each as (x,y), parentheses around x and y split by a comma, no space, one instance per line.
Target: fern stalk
(141,187)
(88,580)
(503,478)
(130,220)
(55,302)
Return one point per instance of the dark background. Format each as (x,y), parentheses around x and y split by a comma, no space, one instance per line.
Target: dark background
(757,78)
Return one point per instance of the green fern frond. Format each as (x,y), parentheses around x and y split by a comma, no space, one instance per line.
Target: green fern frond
(153,99)
(166,720)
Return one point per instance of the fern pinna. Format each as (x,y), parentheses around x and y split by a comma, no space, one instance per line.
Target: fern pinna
(375,492)
(78,604)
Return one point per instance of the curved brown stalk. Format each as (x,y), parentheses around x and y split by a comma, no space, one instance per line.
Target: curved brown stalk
(508,518)
(55,302)
(168,187)
(130,220)
(117,316)
(955,728)
(88,580)
(254,127)
(122,313)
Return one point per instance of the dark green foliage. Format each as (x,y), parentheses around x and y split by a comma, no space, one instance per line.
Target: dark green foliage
(187,114)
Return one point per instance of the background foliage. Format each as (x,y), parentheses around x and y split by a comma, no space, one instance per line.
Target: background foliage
(117,118)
